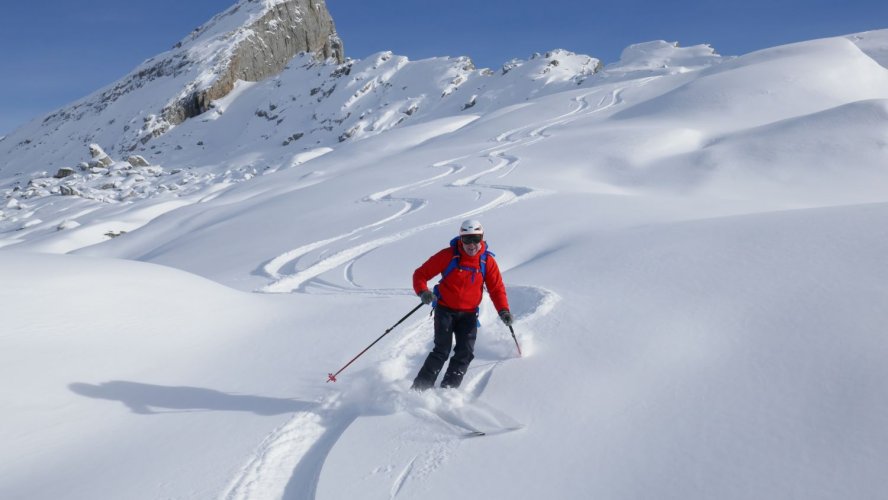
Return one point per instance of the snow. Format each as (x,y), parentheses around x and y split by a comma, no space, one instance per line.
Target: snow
(693,249)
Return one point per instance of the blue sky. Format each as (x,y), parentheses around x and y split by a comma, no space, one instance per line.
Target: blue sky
(56,51)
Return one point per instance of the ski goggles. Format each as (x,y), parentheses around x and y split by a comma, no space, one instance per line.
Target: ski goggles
(471,239)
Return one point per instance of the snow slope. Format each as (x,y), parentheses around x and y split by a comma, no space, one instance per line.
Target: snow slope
(693,248)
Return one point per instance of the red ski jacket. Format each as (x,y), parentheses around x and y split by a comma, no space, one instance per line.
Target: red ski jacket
(461,290)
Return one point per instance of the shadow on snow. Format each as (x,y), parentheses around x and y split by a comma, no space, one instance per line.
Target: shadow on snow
(147,399)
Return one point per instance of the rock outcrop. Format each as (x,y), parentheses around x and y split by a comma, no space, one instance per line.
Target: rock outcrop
(252,40)
(99,157)
(137,161)
(284,30)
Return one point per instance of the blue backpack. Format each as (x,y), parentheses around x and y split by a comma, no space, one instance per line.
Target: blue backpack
(454,263)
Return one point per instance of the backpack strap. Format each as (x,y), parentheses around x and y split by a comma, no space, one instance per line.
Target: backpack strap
(484,262)
(454,261)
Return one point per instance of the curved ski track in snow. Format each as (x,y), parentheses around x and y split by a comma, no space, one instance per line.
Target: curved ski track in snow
(296,280)
(272,267)
(288,463)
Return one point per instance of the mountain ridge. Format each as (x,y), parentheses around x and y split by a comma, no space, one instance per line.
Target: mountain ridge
(250,41)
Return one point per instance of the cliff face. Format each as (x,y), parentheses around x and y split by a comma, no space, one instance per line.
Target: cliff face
(306,96)
(252,40)
(264,48)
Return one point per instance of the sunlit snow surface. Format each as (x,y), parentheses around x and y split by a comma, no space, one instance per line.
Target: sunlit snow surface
(693,246)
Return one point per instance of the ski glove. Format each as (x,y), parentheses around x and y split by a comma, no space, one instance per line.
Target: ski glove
(426,297)
(506,316)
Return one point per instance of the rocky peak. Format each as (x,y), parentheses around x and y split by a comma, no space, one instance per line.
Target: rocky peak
(262,48)
(251,41)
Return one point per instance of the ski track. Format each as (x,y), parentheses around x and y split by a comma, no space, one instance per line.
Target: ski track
(293,282)
(289,461)
(399,482)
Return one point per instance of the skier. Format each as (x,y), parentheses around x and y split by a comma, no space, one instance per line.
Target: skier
(465,267)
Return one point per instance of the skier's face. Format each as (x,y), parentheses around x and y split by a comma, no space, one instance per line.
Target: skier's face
(471,244)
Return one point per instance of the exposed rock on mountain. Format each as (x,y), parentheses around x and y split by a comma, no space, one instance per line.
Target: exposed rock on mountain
(99,156)
(268,44)
(251,41)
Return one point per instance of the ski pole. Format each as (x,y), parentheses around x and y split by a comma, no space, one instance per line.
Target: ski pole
(331,377)
(515,339)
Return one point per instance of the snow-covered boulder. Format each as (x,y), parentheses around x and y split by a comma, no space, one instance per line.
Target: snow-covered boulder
(67,224)
(137,161)
(66,190)
(99,156)
(64,172)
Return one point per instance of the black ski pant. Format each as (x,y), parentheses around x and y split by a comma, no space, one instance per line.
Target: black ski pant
(449,324)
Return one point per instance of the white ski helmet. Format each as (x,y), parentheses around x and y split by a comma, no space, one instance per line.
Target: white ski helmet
(470,226)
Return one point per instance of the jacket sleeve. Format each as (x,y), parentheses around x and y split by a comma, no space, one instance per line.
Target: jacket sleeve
(431,268)
(495,287)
